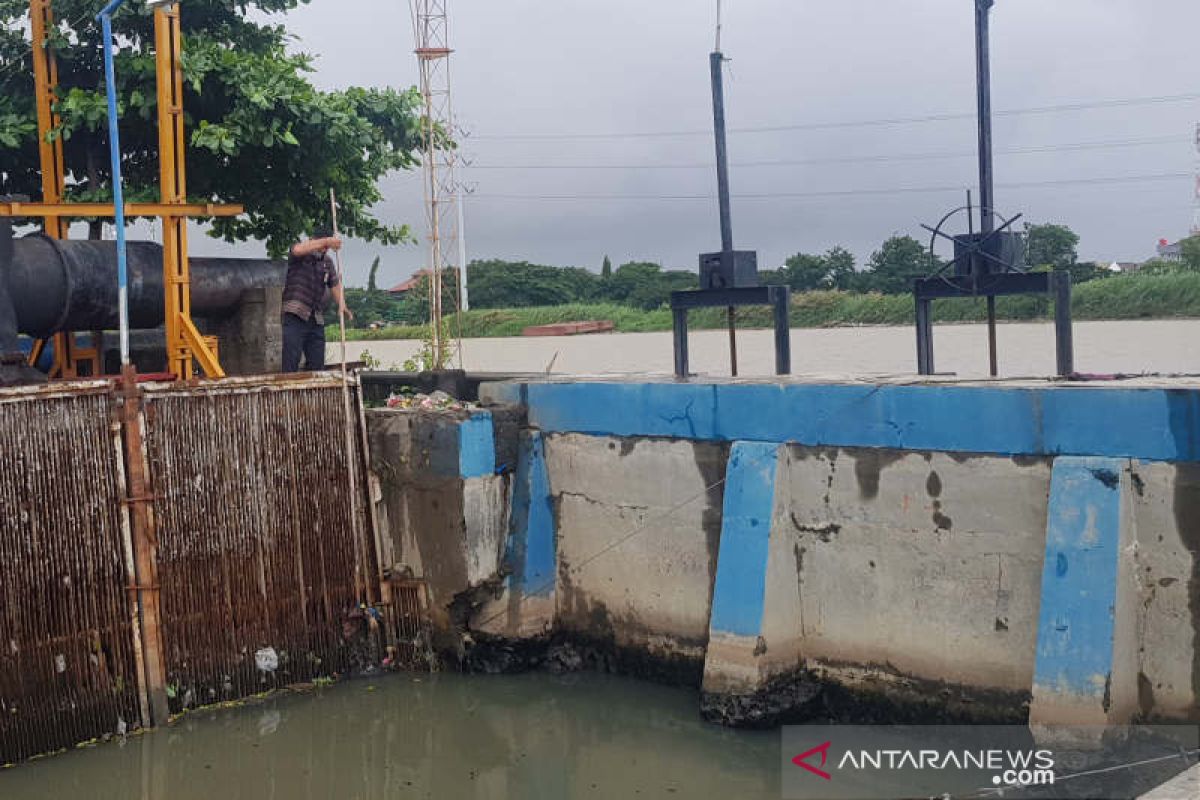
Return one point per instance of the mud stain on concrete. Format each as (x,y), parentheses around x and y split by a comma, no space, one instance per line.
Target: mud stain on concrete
(868,466)
(825,532)
(1145,693)
(933,484)
(943,522)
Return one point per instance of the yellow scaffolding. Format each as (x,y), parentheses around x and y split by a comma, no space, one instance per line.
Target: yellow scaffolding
(186,347)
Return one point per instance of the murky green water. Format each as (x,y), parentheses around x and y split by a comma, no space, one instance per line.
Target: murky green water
(531,736)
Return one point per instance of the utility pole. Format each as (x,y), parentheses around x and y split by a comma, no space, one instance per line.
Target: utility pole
(987,187)
(431,30)
(1196,199)
(715,61)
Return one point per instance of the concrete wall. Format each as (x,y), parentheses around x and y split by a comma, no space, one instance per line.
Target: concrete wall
(923,566)
(442,505)
(1166,509)
(251,337)
(638,525)
(977,550)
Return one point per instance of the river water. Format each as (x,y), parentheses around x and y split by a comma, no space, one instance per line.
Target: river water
(524,737)
(1025,350)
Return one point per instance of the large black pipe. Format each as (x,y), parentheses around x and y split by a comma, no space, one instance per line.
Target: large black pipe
(58,286)
(13,369)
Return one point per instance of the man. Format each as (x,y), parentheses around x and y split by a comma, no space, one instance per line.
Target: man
(311,279)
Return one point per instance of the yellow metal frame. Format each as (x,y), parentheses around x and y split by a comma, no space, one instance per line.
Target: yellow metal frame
(69,356)
(186,347)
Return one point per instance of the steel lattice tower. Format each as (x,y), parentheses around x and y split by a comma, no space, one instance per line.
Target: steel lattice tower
(431,31)
(1196,198)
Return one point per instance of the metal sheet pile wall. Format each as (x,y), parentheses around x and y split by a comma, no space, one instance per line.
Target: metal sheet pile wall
(68,666)
(261,571)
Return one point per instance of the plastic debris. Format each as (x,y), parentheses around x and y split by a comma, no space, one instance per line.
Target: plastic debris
(436,401)
(266,659)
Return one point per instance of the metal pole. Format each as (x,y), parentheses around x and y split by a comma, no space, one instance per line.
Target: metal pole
(680,324)
(1064,343)
(731,318)
(991,323)
(983,69)
(462,257)
(783,330)
(718,92)
(114,148)
(924,338)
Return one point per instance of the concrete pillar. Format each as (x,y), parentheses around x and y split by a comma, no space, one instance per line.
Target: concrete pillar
(527,607)
(251,339)
(732,673)
(1086,664)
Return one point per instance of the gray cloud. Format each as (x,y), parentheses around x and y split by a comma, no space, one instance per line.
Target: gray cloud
(585,66)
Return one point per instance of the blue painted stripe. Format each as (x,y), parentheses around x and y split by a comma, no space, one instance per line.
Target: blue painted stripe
(532,553)
(477,446)
(1145,423)
(1079,577)
(741,584)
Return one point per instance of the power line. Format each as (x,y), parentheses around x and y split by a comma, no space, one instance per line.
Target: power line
(1124,179)
(877,159)
(1124,102)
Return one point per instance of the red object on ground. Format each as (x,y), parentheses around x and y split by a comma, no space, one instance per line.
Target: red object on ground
(570,328)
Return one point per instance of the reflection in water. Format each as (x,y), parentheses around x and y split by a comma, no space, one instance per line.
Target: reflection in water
(443,736)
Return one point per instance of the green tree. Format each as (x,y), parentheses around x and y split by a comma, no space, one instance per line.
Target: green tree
(833,270)
(840,267)
(1191,252)
(1051,246)
(804,272)
(371,287)
(606,268)
(414,308)
(645,285)
(260,133)
(516,284)
(893,267)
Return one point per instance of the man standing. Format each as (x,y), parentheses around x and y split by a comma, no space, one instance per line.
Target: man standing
(311,279)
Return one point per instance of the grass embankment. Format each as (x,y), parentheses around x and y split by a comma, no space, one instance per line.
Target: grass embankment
(1117,297)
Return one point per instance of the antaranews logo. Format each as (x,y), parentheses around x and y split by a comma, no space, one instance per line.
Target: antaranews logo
(802,760)
(878,762)
(895,761)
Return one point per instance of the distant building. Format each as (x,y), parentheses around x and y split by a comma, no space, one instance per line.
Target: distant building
(399,290)
(1170,252)
(1124,266)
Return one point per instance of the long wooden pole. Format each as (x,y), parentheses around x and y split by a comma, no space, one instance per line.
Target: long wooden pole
(365,590)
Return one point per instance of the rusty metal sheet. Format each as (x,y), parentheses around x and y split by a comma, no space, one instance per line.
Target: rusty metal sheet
(262,570)
(68,664)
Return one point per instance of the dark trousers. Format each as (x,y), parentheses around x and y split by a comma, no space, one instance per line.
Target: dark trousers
(303,337)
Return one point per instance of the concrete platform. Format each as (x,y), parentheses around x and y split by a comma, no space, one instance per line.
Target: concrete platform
(1184,786)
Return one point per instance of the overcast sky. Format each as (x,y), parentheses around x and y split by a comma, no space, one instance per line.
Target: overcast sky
(571,67)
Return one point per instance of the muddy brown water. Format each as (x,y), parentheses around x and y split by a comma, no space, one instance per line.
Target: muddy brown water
(526,737)
(1025,350)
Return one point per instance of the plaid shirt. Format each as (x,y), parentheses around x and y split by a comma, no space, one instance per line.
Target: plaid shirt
(306,291)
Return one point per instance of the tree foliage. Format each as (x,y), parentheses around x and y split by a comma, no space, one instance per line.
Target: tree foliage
(514,284)
(893,267)
(805,272)
(260,133)
(1051,246)
(1191,253)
